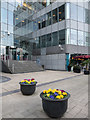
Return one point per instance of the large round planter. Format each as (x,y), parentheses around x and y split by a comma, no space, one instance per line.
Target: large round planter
(86,72)
(54,108)
(69,68)
(77,70)
(27,89)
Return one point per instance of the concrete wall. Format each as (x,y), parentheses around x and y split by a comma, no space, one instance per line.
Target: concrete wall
(54,61)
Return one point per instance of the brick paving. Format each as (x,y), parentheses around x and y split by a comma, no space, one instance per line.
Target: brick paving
(16,105)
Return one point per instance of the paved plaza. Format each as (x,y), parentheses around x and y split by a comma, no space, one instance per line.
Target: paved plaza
(16,105)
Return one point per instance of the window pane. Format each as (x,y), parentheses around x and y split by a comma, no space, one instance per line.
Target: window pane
(80,14)
(54,15)
(48,40)
(67,11)
(3,15)
(86,16)
(73,37)
(73,12)
(43,41)
(55,38)
(43,21)
(62,37)
(35,25)
(62,13)
(80,38)
(10,17)
(48,18)
(68,36)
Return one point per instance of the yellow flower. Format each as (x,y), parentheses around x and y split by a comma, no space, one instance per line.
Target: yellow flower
(22,81)
(61,96)
(58,97)
(59,92)
(49,90)
(64,93)
(33,80)
(48,95)
(44,91)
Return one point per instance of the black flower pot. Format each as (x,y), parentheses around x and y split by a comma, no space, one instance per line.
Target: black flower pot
(54,108)
(69,68)
(77,70)
(86,72)
(27,89)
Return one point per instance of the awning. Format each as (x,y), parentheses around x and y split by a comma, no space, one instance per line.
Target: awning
(82,57)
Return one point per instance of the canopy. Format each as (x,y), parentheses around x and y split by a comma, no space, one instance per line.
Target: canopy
(82,56)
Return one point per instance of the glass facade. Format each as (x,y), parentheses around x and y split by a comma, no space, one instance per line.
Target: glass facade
(18,25)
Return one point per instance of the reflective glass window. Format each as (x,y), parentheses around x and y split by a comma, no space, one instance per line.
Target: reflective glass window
(86,17)
(48,17)
(62,37)
(43,21)
(3,4)
(39,23)
(68,36)
(80,14)
(54,16)
(3,15)
(35,25)
(3,27)
(49,41)
(55,38)
(62,13)
(86,38)
(67,11)
(80,38)
(74,11)
(73,37)
(10,17)
(43,39)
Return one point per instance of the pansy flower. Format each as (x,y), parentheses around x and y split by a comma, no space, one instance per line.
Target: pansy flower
(51,96)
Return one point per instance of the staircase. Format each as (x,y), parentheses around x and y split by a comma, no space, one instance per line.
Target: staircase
(14,67)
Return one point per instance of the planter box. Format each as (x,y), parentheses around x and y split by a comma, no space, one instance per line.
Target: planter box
(27,89)
(55,108)
(77,70)
(86,72)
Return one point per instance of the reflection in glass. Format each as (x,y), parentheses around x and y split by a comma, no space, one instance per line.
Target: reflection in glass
(3,15)
(80,38)
(74,11)
(62,37)
(67,10)
(55,38)
(80,14)
(73,37)
(48,40)
(49,18)
(67,36)
(43,41)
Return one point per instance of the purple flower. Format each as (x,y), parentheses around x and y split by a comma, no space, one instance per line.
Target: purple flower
(62,90)
(51,96)
(55,94)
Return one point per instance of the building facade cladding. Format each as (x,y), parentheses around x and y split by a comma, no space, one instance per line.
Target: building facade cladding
(70,31)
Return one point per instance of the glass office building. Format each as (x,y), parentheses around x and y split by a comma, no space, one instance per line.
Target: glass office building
(49,31)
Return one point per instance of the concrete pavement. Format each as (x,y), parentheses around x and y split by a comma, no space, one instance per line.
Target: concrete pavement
(16,105)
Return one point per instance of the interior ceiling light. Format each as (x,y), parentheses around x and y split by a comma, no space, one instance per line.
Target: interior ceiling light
(54,15)
(60,12)
(25,5)
(16,18)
